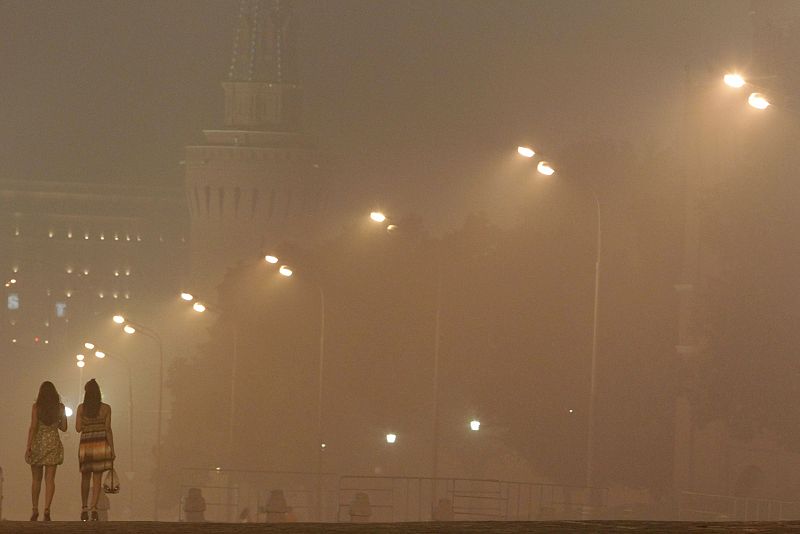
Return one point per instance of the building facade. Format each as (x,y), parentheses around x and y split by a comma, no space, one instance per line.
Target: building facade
(72,254)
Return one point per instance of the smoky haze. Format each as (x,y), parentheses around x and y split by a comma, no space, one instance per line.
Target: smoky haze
(478,305)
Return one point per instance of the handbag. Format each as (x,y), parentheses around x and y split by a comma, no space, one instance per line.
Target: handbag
(111,481)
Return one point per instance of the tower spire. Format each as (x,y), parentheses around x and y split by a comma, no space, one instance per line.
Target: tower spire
(261,90)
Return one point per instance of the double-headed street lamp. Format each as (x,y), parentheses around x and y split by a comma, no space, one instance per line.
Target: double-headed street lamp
(547,169)
(201,307)
(286,271)
(130,328)
(737,81)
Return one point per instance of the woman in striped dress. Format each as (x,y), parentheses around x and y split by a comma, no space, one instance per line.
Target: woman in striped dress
(96,449)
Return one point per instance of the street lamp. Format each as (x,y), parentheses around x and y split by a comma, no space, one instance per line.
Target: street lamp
(391,438)
(547,169)
(475,425)
(130,328)
(287,272)
(437,336)
(199,307)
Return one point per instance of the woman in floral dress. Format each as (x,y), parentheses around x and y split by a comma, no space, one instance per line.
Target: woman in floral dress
(96,449)
(45,451)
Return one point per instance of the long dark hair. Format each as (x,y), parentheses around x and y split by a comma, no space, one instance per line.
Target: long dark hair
(47,403)
(91,399)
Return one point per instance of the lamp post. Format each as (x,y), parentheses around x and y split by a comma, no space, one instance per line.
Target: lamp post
(286,271)
(100,354)
(130,328)
(381,218)
(202,307)
(547,169)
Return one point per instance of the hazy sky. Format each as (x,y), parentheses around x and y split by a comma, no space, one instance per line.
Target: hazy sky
(414,96)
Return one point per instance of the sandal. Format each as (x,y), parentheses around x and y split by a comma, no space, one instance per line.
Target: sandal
(84,514)
(35,515)
(94,515)
(47,514)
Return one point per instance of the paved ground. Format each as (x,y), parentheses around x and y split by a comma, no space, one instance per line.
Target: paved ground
(536,527)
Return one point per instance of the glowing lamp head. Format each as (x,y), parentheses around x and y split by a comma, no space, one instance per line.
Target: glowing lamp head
(199,307)
(377,216)
(391,438)
(734,80)
(100,354)
(545,168)
(525,152)
(475,425)
(68,411)
(271,259)
(188,297)
(79,357)
(89,345)
(128,329)
(758,101)
(285,271)
(81,364)
(119,319)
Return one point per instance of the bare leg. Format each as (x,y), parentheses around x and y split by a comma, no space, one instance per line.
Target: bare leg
(36,485)
(97,481)
(85,479)
(49,485)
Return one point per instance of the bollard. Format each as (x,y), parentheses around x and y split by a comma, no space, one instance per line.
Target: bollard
(276,507)
(360,509)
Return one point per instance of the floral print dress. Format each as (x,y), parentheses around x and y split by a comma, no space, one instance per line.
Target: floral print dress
(46,447)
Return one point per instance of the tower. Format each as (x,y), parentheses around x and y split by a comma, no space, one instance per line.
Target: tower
(256,181)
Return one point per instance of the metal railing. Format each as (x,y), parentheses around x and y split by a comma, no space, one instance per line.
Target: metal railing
(710,507)
(233,495)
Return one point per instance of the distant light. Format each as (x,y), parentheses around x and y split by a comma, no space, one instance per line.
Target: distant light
(128,329)
(285,271)
(198,307)
(571,410)
(218,469)
(322,445)
(391,228)
(68,411)
(758,101)
(377,216)
(734,80)
(12,281)
(100,354)
(475,425)
(391,438)
(81,364)
(545,168)
(188,297)
(525,152)
(80,357)
(270,259)
(89,345)
(119,319)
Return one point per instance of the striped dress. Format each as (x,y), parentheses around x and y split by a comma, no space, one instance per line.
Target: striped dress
(94,452)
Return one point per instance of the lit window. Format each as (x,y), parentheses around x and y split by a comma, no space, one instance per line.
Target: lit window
(61,309)
(13,301)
